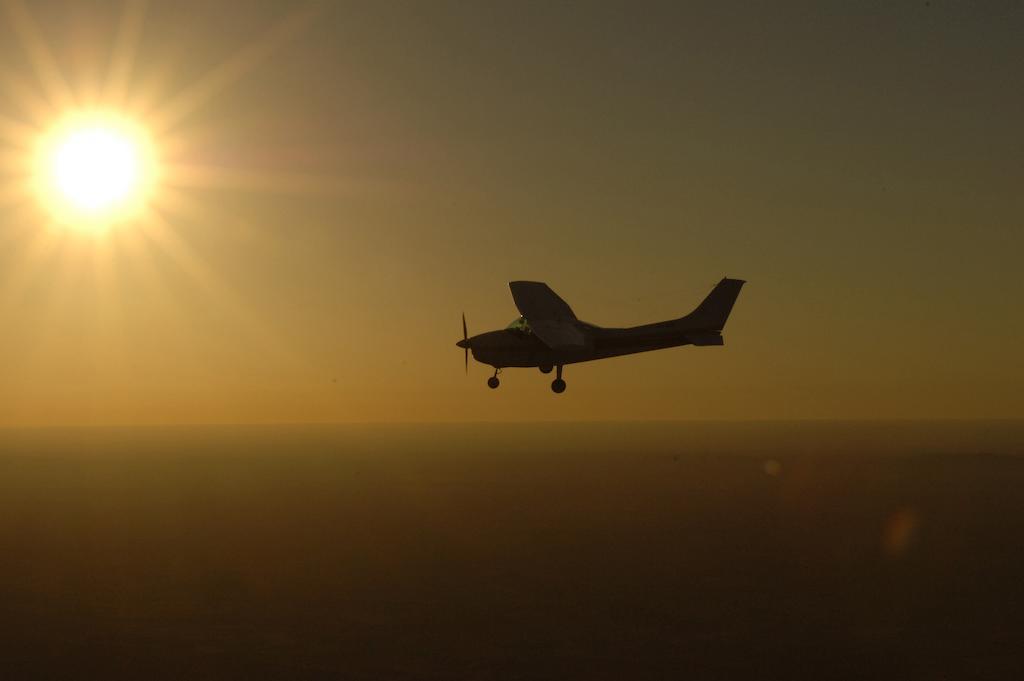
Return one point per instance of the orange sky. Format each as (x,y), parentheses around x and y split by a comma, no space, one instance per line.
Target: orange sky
(348,182)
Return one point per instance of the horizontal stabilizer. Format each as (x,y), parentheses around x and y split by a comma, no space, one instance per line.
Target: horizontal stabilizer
(706,339)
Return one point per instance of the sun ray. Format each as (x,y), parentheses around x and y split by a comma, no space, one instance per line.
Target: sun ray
(109,286)
(209,177)
(161,231)
(124,51)
(166,238)
(55,87)
(14,230)
(66,269)
(143,270)
(32,263)
(181,206)
(31,103)
(230,70)
(176,203)
(12,161)
(11,196)
(16,239)
(149,88)
(70,264)
(15,192)
(16,133)
(183,144)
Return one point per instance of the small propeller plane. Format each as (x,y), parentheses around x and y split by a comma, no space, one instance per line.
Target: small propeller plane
(548,335)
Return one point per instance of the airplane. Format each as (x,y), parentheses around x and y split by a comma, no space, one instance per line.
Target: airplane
(548,335)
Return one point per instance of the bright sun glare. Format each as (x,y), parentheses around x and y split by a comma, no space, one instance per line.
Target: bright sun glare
(95,169)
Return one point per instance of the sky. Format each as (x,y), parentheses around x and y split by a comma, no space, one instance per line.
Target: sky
(344,180)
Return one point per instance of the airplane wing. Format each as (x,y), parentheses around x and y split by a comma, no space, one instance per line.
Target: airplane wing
(556,334)
(536,301)
(550,317)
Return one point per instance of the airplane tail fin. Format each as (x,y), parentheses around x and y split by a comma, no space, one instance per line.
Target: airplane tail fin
(714,310)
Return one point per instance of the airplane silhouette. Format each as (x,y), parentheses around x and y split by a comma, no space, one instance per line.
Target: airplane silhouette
(548,335)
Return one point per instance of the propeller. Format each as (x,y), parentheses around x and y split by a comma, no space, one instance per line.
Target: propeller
(465,339)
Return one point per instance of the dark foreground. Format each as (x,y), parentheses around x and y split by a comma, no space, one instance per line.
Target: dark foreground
(704,551)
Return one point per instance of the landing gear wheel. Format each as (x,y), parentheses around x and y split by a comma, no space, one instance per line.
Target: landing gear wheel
(545,368)
(493,382)
(558,385)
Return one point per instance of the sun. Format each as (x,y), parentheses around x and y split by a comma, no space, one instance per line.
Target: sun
(94,169)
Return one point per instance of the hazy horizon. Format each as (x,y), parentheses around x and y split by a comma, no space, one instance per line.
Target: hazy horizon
(157,425)
(758,438)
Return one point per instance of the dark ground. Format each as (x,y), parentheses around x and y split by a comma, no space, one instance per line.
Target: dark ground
(661,551)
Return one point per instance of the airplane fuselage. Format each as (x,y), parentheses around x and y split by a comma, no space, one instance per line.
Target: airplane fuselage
(518,348)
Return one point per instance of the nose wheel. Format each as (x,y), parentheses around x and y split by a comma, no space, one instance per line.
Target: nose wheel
(558,385)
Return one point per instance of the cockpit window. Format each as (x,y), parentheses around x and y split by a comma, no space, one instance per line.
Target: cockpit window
(519,325)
